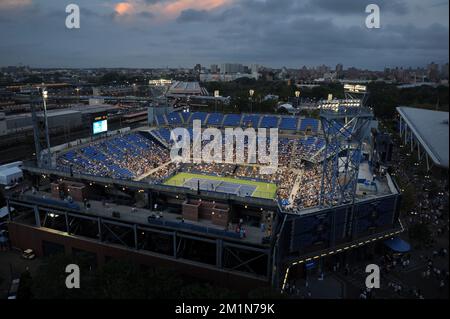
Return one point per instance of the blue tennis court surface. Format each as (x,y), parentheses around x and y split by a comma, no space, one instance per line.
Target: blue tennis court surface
(220,186)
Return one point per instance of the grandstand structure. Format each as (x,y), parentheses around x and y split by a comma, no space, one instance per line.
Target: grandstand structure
(120,196)
(344,138)
(427,132)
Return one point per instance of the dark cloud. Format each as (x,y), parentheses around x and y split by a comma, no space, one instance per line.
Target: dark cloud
(192,15)
(275,33)
(357,6)
(147,15)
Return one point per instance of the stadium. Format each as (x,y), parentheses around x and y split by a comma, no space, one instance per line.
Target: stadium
(117,194)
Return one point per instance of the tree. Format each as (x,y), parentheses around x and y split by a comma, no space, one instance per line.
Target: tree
(202,291)
(265,293)
(420,232)
(117,280)
(120,280)
(408,201)
(384,98)
(50,278)
(112,77)
(25,286)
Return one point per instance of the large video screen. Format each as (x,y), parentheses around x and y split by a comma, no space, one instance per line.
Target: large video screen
(100,126)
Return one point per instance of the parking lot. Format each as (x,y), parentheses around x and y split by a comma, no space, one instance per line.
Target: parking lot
(11,266)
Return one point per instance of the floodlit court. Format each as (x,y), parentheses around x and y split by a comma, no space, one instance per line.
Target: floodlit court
(240,187)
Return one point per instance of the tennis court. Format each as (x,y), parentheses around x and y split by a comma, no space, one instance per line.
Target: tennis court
(227,185)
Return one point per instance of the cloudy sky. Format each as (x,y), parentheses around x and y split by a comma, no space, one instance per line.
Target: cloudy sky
(276,33)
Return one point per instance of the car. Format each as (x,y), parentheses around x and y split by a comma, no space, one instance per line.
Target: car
(28,254)
(8,187)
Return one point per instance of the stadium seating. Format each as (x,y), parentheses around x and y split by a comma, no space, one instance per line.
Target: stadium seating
(310,145)
(186,116)
(289,123)
(269,121)
(163,134)
(111,158)
(309,124)
(215,119)
(236,120)
(198,116)
(251,120)
(161,120)
(232,120)
(174,118)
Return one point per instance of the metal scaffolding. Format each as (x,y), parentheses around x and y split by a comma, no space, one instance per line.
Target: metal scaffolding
(40,130)
(344,131)
(167,243)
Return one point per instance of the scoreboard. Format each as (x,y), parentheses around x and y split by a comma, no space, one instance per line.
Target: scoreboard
(100,124)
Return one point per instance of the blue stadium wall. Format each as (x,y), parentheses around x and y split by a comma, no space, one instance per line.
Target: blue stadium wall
(331,227)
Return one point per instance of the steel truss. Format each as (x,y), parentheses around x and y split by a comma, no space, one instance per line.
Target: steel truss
(344,131)
(40,132)
(407,137)
(174,244)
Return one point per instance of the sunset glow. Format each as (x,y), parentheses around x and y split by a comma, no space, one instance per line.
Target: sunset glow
(167,9)
(12,4)
(175,8)
(123,8)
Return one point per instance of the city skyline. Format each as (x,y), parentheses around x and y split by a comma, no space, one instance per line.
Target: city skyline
(207,67)
(182,33)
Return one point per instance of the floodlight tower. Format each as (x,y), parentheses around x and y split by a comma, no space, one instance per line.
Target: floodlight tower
(345,126)
(38,98)
(356,91)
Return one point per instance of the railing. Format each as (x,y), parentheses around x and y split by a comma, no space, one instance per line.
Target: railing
(213,189)
(195,228)
(51,201)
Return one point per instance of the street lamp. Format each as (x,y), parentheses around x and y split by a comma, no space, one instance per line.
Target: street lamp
(216,95)
(251,93)
(297,95)
(47,136)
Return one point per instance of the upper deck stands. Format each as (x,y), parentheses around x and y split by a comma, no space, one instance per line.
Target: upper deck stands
(289,123)
(285,123)
(201,116)
(309,125)
(215,119)
(269,121)
(174,118)
(161,120)
(232,120)
(186,116)
(251,120)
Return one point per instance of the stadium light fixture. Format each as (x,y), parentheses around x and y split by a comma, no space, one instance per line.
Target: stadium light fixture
(47,136)
(216,95)
(251,93)
(297,95)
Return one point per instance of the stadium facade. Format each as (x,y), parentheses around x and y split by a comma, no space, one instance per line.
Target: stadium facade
(118,195)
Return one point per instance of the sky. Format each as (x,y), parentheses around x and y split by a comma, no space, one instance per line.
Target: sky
(182,33)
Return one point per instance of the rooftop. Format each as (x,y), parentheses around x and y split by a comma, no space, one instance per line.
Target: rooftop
(141,216)
(185,88)
(431,129)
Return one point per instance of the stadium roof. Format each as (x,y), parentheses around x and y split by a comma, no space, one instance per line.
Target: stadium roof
(189,88)
(431,130)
